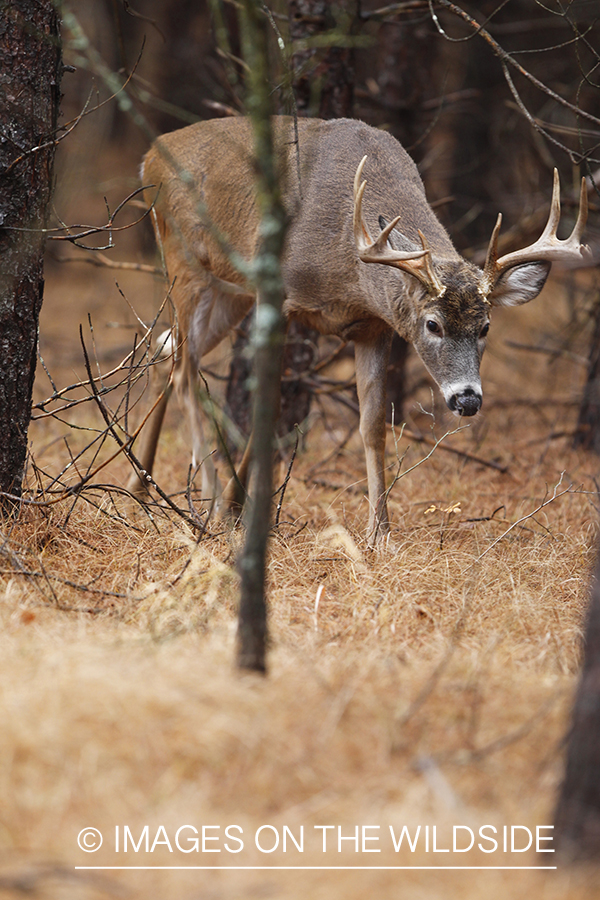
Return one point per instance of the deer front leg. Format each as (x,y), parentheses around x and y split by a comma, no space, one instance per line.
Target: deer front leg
(371,368)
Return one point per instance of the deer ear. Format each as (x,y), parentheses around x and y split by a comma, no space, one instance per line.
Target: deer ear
(520,284)
(399,241)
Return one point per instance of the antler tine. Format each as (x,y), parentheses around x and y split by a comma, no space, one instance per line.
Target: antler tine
(385,233)
(491,258)
(548,247)
(415,262)
(432,279)
(554,215)
(378,250)
(582,217)
(358,175)
(362,236)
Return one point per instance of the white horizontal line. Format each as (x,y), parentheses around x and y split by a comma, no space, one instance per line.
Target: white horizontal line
(326,868)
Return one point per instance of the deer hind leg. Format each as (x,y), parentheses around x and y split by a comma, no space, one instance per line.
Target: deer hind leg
(205,333)
(205,315)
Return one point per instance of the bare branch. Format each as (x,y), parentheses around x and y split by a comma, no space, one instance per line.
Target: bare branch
(504,56)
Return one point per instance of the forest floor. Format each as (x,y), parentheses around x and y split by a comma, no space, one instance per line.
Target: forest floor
(425,685)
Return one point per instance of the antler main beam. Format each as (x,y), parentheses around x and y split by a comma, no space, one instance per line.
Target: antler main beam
(415,262)
(548,247)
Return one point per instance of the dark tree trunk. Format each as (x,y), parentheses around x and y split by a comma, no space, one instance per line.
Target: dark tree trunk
(298,356)
(588,424)
(396,381)
(323,77)
(404,73)
(577,820)
(29,101)
(323,81)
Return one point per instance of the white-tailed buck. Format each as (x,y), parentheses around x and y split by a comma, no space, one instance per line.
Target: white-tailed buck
(339,279)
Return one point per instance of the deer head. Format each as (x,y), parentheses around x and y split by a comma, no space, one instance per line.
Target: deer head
(445,312)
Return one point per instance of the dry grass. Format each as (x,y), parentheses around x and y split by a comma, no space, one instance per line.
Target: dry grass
(425,684)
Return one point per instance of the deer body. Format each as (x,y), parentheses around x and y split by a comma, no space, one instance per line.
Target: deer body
(419,286)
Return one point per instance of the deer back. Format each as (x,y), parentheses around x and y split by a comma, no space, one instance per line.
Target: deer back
(321,263)
(205,179)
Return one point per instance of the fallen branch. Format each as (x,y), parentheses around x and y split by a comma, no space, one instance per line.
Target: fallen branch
(471,457)
(545,502)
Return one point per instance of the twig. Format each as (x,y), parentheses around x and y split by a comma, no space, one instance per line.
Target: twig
(548,351)
(110,227)
(102,261)
(338,447)
(507,60)
(471,457)
(124,365)
(545,502)
(68,127)
(517,734)
(281,491)
(400,459)
(123,447)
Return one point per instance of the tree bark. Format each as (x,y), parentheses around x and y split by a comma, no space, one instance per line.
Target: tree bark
(30,60)
(323,78)
(298,356)
(577,819)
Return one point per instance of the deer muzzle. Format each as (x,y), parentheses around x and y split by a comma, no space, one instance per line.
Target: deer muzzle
(466,402)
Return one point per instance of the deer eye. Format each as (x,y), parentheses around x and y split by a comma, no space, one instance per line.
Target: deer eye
(485,330)
(433,327)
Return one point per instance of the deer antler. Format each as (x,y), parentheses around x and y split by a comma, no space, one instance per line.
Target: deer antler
(415,262)
(548,247)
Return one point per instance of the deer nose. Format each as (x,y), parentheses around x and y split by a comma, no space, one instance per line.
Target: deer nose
(466,403)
